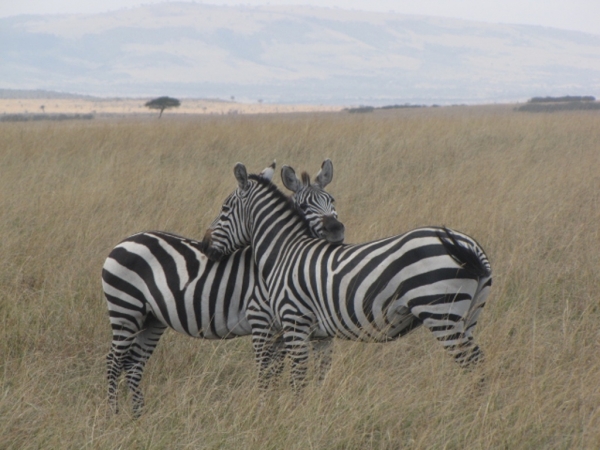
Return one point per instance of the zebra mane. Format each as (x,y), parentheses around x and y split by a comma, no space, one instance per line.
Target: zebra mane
(305,179)
(288,200)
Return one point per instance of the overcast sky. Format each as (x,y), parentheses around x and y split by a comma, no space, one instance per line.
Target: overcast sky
(581,15)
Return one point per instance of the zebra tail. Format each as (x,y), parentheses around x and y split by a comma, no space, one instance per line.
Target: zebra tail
(464,255)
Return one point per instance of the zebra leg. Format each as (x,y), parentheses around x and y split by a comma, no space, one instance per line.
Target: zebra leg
(453,324)
(269,347)
(296,330)
(124,331)
(141,349)
(297,348)
(269,355)
(114,368)
(449,331)
(322,351)
(466,353)
(277,358)
(479,299)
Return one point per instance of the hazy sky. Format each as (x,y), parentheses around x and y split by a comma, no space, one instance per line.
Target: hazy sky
(581,15)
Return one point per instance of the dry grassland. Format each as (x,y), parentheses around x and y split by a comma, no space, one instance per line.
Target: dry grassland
(527,187)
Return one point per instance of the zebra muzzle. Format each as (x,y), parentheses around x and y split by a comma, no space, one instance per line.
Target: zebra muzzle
(206,247)
(333,230)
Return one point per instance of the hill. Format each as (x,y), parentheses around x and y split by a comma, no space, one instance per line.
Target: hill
(294,54)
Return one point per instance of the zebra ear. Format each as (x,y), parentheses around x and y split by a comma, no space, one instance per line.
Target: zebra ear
(325,175)
(289,178)
(241,175)
(268,173)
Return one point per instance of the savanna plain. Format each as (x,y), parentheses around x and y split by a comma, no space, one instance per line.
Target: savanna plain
(526,186)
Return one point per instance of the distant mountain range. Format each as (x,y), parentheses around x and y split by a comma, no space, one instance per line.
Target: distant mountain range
(294,54)
(40,93)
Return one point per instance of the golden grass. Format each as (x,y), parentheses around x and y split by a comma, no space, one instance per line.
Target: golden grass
(527,187)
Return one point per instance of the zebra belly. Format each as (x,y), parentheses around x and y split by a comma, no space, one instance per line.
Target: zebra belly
(399,328)
(208,317)
(397,325)
(159,274)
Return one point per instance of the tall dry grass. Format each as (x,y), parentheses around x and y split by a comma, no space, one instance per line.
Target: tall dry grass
(527,187)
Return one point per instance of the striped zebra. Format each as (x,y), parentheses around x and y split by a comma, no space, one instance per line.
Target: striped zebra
(156,280)
(373,292)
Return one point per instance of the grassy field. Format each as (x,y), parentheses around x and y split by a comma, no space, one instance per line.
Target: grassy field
(526,186)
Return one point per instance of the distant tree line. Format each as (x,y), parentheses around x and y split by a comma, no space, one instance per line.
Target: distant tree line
(361,109)
(552,107)
(405,105)
(368,109)
(565,103)
(566,98)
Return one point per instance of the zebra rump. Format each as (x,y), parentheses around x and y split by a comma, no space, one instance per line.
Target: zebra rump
(466,257)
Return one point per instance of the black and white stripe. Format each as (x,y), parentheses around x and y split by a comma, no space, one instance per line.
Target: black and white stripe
(156,280)
(373,292)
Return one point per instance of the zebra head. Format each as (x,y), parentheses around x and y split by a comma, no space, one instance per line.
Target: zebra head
(314,202)
(231,230)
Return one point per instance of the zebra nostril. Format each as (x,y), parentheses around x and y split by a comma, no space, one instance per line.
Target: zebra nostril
(330,223)
(333,230)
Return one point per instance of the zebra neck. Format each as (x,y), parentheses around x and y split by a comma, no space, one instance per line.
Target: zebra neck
(275,224)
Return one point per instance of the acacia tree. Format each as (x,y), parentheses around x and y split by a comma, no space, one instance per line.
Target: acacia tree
(163,103)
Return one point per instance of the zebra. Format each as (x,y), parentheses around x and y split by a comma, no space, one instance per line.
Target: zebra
(373,292)
(157,280)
